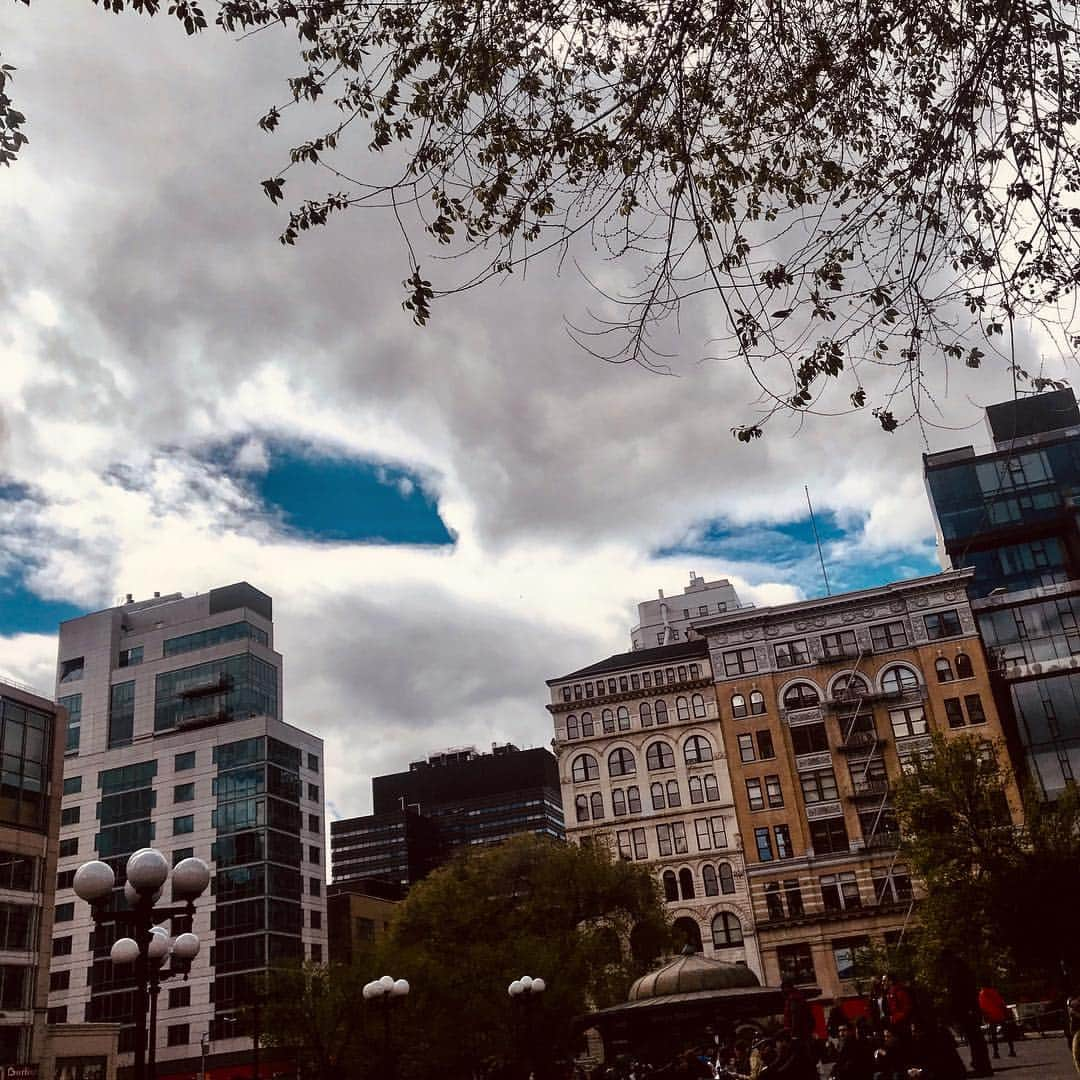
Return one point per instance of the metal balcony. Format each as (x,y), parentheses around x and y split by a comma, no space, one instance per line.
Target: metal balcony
(869,789)
(861,740)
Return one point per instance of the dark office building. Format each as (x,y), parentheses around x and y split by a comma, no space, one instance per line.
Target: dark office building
(447,801)
(1011,513)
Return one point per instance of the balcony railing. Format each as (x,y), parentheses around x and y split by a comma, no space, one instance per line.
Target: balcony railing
(888,840)
(861,740)
(869,789)
(836,656)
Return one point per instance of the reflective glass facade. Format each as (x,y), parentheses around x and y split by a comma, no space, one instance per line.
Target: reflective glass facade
(216,635)
(25,739)
(225,689)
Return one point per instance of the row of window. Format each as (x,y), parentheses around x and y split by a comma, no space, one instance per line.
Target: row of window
(623,802)
(623,684)
(697,750)
(671,839)
(648,714)
(839,892)
(716,880)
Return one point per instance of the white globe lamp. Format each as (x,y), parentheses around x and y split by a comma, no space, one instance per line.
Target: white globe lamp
(190,878)
(526,981)
(538,986)
(186,947)
(147,870)
(516,988)
(387,983)
(124,951)
(94,881)
(401,988)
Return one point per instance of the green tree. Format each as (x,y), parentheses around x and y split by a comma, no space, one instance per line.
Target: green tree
(527,907)
(845,186)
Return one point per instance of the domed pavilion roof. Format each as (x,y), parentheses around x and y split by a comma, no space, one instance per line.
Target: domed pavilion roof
(691,973)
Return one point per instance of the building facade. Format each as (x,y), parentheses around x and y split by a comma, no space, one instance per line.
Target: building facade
(644,771)
(668,620)
(823,704)
(1011,514)
(356,914)
(453,799)
(175,739)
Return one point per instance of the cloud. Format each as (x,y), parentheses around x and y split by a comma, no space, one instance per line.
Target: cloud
(149,318)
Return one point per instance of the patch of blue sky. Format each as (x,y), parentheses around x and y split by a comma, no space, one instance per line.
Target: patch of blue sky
(24,612)
(338,499)
(788,552)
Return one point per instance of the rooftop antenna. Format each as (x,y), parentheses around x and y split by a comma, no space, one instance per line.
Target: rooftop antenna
(817,540)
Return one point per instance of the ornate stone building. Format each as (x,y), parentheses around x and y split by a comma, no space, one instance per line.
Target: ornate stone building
(822,703)
(643,770)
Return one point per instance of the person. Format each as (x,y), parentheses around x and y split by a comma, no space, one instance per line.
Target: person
(761,1055)
(899,1005)
(791,1062)
(853,1055)
(932,1053)
(891,1061)
(879,1009)
(798,1019)
(996,1013)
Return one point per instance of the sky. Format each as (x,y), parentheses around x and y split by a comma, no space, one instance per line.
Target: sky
(445,516)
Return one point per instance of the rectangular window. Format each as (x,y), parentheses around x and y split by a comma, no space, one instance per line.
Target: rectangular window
(765,746)
(891,888)
(316,952)
(313,792)
(943,624)
(182,853)
(740,662)
(792,653)
(840,892)
(71,670)
(178,1035)
(764,845)
(179,997)
(314,854)
(59,980)
(890,635)
(646,679)
(850,955)
(782,836)
(73,704)
(316,920)
(839,646)
(183,793)
(663,839)
(829,837)
(973,704)
(635,682)
(703,609)
(65,879)
(793,896)
(214,691)
(746,748)
(773,791)
(754,795)
(809,739)
(185,824)
(695,672)
(64,912)
(623,839)
(953,713)
(624,684)
(58,1014)
(910,721)
(72,785)
(704,836)
(131,657)
(184,761)
(678,835)
(314,823)
(61,946)
(719,832)
(314,886)
(641,849)
(70,815)
(577,692)
(121,714)
(216,635)
(69,847)
(818,786)
(796,963)
(669,674)
(313,762)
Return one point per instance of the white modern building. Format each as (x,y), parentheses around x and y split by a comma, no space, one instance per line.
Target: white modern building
(643,771)
(175,740)
(667,620)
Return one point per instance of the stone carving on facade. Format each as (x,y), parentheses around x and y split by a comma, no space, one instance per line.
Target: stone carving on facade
(897,606)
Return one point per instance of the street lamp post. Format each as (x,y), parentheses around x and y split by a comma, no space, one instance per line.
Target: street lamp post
(527,991)
(384,990)
(180,952)
(147,871)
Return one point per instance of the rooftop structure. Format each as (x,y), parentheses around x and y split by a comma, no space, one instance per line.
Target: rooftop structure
(667,620)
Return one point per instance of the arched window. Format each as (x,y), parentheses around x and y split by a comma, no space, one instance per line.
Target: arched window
(623,716)
(712,789)
(573,729)
(587,728)
(963,666)
(898,678)
(686,884)
(671,886)
(697,795)
(685,931)
(618,802)
(682,708)
(659,756)
(645,714)
(697,702)
(673,796)
(597,806)
(633,800)
(727,878)
(738,706)
(850,687)
(757,703)
(621,762)
(660,708)
(585,767)
(607,718)
(801,696)
(943,669)
(581,807)
(708,877)
(657,793)
(696,749)
(726,931)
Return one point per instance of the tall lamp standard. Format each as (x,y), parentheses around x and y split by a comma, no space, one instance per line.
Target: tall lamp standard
(384,990)
(147,872)
(527,991)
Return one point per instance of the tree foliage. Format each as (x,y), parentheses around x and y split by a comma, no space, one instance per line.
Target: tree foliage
(845,186)
(1000,895)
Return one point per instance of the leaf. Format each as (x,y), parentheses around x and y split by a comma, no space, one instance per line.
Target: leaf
(272,188)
